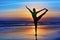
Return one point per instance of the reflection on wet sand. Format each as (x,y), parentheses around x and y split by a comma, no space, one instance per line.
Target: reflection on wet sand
(26,32)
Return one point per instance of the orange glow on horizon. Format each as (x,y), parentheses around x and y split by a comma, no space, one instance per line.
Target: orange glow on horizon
(25,14)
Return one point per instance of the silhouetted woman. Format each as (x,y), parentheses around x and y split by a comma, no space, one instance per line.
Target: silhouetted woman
(35,18)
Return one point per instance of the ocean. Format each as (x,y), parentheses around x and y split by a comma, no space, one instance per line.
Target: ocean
(45,32)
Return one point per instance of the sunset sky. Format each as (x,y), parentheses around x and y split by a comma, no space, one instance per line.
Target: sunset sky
(12,9)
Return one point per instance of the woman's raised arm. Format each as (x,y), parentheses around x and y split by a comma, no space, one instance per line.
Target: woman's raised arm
(29,9)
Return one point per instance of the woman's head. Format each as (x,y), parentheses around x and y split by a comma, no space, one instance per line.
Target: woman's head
(34,9)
